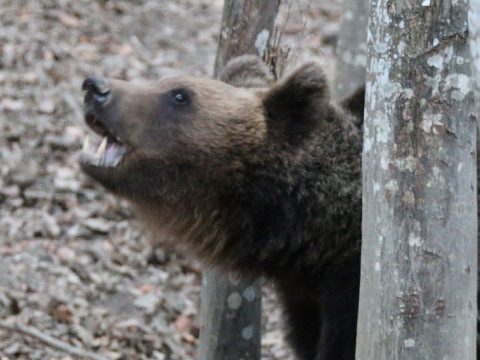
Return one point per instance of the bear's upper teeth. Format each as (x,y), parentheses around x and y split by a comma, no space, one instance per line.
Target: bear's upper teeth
(86,144)
(107,153)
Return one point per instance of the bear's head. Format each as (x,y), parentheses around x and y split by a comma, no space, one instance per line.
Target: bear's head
(186,127)
(208,161)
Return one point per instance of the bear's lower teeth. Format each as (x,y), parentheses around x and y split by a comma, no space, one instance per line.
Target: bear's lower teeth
(108,153)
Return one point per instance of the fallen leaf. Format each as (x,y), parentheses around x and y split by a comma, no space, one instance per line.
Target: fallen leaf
(60,311)
(68,20)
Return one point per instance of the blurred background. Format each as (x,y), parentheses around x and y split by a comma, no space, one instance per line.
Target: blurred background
(74,264)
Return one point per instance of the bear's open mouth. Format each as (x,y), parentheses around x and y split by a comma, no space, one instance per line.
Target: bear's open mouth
(107,152)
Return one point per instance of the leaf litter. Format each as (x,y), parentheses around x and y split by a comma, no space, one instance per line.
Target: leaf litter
(74,263)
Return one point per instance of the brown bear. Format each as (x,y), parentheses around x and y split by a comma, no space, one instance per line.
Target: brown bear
(247,175)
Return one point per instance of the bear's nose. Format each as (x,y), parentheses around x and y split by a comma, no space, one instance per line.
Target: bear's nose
(97,89)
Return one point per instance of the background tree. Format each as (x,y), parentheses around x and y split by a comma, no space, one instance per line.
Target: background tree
(231,307)
(419,251)
(351,52)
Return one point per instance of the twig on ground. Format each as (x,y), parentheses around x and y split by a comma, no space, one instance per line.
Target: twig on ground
(51,341)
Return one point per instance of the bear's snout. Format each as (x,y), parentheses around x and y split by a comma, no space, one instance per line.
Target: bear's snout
(97,90)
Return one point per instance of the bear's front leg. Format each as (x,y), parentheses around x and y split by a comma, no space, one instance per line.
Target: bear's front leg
(322,316)
(339,309)
(302,314)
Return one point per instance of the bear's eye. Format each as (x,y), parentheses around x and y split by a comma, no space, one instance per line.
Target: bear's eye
(179,97)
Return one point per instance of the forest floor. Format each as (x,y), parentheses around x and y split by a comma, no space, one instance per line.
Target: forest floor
(74,263)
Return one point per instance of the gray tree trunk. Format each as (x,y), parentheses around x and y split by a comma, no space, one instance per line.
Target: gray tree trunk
(419,250)
(230,324)
(351,49)
(474,30)
(247,26)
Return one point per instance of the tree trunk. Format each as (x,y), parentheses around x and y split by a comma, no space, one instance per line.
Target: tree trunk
(351,52)
(230,325)
(231,307)
(247,26)
(474,30)
(419,250)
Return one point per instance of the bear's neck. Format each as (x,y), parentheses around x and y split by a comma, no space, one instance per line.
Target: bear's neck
(301,217)
(285,217)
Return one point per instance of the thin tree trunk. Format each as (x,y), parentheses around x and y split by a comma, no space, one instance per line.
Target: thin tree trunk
(247,26)
(230,325)
(474,30)
(351,49)
(419,250)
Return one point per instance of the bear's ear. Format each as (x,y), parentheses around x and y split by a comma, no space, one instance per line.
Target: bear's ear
(297,105)
(247,71)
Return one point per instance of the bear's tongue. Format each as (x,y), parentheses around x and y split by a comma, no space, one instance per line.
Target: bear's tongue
(107,153)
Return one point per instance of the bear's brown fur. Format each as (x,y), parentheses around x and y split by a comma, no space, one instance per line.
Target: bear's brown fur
(260,178)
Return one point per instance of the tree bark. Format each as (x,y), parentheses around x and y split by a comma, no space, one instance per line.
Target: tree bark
(419,249)
(231,307)
(247,26)
(474,30)
(351,52)
(230,325)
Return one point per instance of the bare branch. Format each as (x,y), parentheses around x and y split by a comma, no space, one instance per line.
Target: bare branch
(50,341)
